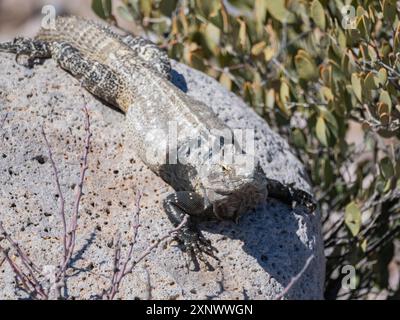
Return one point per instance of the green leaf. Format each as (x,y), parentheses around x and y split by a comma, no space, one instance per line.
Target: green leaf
(329,117)
(270,99)
(167,7)
(389,11)
(352,218)
(382,76)
(327,94)
(260,12)
(364,245)
(298,138)
(107,4)
(318,14)
(243,38)
(385,98)
(258,48)
(278,10)
(356,85)
(322,131)
(146,7)
(225,80)
(305,66)
(103,8)
(284,93)
(386,168)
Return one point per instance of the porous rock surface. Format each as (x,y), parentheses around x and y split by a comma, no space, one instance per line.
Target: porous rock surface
(258,256)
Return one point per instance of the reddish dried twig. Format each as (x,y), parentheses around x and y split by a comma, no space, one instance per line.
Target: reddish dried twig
(33,270)
(294,279)
(121,269)
(30,281)
(62,200)
(30,285)
(155,244)
(71,232)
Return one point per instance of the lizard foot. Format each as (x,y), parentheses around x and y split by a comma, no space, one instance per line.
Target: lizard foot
(33,51)
(178,206)
(197,246)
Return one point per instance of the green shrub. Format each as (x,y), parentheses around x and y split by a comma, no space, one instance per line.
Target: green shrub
(319,72)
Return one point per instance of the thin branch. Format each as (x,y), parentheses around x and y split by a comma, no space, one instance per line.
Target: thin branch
(124,271)
(295,279)
(26,261)
(30,281)
(29,286)
(71,233)
(60,193)
(155,244)
(120,268)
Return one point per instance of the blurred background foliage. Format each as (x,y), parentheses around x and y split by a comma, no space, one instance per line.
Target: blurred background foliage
(325,74)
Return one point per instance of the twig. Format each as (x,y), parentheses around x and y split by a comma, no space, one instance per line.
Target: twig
(120,268)
(29,286)
(155,244)
(120,273)
(294,279)
(71,233)
(30,280)
(26,261)
(62,200)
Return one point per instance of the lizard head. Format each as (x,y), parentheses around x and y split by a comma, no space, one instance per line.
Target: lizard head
(234,188)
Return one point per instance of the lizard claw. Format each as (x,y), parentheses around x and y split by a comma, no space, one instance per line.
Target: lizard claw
(196,245)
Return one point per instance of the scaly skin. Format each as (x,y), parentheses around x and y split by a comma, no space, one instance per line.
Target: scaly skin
(132,74)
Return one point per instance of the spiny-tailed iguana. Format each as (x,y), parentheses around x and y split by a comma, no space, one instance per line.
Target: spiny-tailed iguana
(132,74)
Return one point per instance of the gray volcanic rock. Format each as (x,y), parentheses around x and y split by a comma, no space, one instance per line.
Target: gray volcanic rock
(258,256)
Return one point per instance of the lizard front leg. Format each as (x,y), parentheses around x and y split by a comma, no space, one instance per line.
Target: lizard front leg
(177,206)
(33,49)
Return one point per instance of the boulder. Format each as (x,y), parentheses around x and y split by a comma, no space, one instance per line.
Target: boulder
(257,257)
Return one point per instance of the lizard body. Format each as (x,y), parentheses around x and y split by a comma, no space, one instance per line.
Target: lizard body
(132,74)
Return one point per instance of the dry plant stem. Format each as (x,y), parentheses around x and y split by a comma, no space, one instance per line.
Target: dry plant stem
(29,280)
(62,200)
(28,285)
(71,233)
(26,261)
(120,273)
(294,279)
(155,244)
